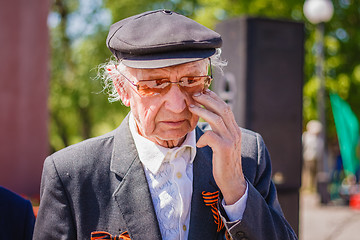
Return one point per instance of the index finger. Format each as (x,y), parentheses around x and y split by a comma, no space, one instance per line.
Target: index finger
(213,103)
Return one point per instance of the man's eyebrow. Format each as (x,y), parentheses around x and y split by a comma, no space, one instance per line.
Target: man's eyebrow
(155,74)
(192,72)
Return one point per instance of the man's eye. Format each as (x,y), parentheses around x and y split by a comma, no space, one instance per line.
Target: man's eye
(186,80)
(190,80)
(159,83)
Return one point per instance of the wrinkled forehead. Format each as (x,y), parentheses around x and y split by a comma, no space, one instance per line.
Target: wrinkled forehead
(196,68)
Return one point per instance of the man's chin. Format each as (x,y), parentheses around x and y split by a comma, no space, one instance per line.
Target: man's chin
(176,137)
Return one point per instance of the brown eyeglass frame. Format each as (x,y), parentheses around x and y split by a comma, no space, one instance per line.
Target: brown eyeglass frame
(137,86)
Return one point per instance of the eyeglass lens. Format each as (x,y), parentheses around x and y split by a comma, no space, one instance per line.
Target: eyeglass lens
(191,85)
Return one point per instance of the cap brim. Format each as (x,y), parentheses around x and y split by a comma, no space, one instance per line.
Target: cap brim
(166,59)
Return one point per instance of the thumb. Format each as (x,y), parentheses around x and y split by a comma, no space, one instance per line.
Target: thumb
(207,138)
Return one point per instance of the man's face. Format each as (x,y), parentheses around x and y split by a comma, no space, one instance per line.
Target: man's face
(164,118)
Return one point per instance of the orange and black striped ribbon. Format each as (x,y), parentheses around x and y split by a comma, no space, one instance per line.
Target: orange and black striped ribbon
(211,200)
(105,235)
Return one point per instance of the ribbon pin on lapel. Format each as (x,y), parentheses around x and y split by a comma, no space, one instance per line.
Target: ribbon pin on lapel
(99,235)
(211,200)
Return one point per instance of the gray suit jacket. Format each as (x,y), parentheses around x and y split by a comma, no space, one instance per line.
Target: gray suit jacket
(100,184)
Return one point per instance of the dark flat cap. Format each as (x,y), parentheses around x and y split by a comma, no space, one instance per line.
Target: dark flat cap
(161,38)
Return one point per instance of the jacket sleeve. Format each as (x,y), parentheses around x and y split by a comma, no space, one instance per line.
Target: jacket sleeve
(54,219)
(263,217)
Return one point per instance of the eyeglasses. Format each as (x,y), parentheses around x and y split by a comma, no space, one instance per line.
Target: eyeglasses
(190,84)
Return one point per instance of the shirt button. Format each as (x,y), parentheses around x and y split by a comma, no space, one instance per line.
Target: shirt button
(178,175)
(184,227)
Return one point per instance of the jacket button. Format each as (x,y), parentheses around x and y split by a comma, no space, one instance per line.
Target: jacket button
(240,235)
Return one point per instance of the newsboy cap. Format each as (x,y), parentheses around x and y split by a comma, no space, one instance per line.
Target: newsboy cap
(161,38)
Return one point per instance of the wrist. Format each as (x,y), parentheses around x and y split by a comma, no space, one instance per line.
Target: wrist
(232,195)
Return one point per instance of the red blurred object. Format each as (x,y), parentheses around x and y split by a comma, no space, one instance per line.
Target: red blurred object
(24,83)
(355,201)
(36,209)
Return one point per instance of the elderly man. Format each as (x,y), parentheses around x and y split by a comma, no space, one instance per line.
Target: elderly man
(161,174)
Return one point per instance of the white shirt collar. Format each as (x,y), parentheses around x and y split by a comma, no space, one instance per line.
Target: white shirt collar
(153,155)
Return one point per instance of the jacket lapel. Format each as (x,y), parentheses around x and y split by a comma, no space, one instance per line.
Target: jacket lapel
(202,225)
(132,195)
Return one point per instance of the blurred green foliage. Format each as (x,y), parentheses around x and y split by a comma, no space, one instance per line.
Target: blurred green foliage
(80,110)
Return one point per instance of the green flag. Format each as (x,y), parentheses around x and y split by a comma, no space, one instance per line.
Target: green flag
(347,128)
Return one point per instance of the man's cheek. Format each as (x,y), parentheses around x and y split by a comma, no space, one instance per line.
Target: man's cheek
(149,123)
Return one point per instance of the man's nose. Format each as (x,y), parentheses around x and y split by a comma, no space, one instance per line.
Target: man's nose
(175,99)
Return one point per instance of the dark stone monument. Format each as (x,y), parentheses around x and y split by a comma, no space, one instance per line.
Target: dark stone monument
(263,83)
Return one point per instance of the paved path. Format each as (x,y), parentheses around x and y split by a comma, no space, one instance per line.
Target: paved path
(327,222)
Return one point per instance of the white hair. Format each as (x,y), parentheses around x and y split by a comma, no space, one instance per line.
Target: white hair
(109,74)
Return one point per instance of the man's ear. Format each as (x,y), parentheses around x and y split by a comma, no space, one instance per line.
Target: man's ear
(120,88)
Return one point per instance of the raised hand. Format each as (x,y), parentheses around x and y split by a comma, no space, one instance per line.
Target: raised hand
(225,141)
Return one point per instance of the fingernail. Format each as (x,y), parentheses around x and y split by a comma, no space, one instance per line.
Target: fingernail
(191,105)
(197,94)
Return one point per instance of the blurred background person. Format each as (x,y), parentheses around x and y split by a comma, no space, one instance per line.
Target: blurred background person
(312,145)
(17,216)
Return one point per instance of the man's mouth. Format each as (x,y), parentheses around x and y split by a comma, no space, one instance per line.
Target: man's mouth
(176,123)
